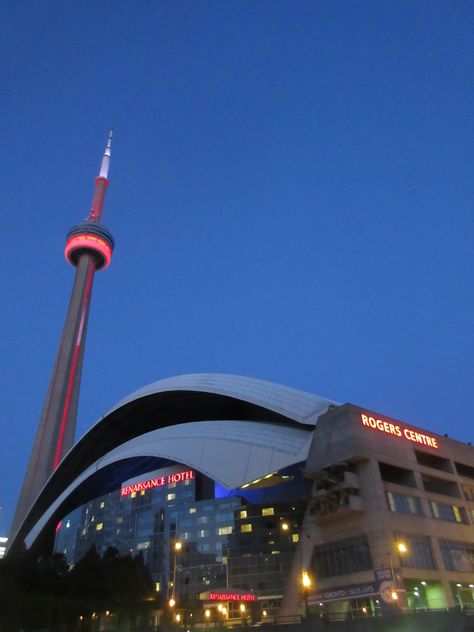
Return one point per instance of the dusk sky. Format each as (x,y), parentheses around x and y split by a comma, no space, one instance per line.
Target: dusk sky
(292,198)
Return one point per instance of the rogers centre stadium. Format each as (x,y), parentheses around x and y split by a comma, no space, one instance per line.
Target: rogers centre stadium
(231,488)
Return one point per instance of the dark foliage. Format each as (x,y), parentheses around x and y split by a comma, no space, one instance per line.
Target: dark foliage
(43,594)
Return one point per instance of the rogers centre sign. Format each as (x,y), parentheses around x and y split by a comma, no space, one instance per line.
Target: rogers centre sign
(399,431)
(231,597)
(158,481)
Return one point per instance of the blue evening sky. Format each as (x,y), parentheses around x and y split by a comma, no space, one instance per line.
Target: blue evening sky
(291,196)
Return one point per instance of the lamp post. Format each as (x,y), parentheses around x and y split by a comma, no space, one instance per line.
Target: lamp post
(306,584)
(402,549)
(176,549)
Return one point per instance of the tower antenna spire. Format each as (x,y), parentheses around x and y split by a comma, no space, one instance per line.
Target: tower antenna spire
(104,167)
(101,184)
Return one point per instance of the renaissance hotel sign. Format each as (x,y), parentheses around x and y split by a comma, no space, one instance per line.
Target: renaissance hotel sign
(158,481)
(399,430)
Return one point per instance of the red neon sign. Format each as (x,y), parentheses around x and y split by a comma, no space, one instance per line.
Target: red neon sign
(158,481)
(231,597)
(399,431)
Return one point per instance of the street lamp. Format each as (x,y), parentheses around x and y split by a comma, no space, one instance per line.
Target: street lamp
(176,549)
(402,549)
(306,584)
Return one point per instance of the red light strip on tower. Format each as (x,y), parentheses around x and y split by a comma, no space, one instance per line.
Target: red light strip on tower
(67,403)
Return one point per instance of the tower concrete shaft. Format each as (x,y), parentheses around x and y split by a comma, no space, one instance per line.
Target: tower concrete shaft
(89,248)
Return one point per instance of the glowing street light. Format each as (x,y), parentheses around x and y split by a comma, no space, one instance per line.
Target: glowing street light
(402,548)
(285,526)
(178,618)
(207,613)
(172,602)
(305,579)
(242,607)
(178,546)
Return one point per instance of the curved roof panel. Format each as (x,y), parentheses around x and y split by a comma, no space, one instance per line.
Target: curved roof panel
(289,402)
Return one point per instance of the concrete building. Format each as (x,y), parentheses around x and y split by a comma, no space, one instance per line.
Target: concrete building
(391,515)
(263,485)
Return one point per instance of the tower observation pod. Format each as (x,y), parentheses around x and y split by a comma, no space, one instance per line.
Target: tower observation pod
(89,247)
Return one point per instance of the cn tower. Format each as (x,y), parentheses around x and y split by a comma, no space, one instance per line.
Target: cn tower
(89,247)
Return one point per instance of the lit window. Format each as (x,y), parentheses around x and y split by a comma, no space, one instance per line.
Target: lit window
(99,526)
(93,518)
(68,524)
(133,494)
(224,530)
(243,513)
(192,510)
(188,482)
(119,520)
(295,537)
(102,505)
(157,586)
(275,552)
(142,493)
(143,545)
(171,496)
(268,511)
(171,485)
(203,533)
(246,528)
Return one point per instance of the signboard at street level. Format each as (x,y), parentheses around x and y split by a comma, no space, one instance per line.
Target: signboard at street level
(231,597)
(340,593)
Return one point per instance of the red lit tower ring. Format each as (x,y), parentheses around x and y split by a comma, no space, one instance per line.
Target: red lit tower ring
(92,238)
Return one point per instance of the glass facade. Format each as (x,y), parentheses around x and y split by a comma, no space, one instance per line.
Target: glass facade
(230,539)
(341,557)
(448,513)
(401,503)
(419,553)
(458,556)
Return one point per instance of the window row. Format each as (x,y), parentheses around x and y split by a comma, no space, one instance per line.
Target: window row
(401,503)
